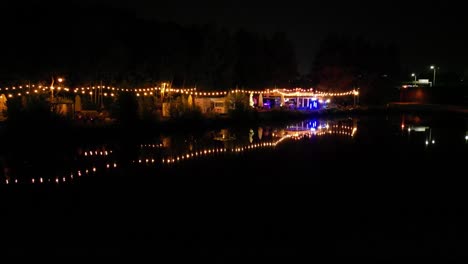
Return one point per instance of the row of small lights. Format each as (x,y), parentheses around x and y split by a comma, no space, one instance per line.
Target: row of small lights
(323,133)
(190,91)
(213,151)
(93,169)
(344,127)
(186,91)
(333,127)
(196,154)
(63,179)
(87,88)
(209,93)
(188,156)
(151,145)
(343,130)
(150,89)
(97,153)
(316,94)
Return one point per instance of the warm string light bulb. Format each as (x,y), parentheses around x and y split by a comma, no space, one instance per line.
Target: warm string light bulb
(300,92)
(327,130)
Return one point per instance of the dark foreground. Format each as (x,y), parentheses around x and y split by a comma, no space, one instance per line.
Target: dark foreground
(381,193)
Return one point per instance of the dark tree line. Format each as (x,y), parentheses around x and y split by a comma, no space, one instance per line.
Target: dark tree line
(88,45)
(344,63)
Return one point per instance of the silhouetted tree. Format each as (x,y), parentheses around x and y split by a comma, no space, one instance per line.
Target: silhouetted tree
(126,109)
(344,63)
(103,44)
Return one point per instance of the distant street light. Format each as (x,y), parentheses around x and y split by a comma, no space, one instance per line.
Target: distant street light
(60,80)
(434,79)
(414,75)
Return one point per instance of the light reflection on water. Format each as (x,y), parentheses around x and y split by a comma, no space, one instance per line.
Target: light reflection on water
(168,150)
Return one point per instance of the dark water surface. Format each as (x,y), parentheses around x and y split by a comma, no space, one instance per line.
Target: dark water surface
(374,186)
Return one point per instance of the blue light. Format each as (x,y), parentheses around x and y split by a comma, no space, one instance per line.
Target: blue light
(312,125)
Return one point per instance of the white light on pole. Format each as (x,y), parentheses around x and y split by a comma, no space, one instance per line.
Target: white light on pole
(414,75)
(434,78)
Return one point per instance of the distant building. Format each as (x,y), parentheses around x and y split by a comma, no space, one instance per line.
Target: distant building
(303,100)
(416,91)
(419,83)
(216,105)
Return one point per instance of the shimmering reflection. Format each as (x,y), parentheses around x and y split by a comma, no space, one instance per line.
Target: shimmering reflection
(233,144)
(169,150)
(422,131)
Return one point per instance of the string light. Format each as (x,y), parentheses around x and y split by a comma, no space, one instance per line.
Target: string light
(340,130)
(296,92)
(336,130)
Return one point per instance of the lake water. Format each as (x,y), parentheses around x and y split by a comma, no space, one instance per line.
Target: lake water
(379,186)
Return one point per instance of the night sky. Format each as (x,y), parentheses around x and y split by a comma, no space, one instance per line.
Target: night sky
(430,33)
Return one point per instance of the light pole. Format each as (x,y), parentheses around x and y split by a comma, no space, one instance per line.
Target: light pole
(433,79)
(60,81)
(414,75)
(356,96)
(100,98)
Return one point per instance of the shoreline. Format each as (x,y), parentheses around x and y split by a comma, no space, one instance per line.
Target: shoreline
(247,119)
(64,135)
